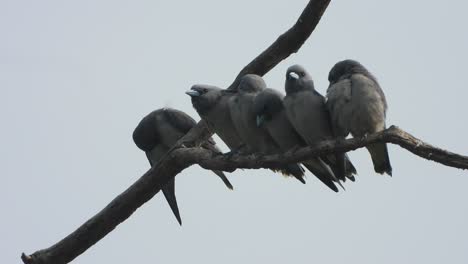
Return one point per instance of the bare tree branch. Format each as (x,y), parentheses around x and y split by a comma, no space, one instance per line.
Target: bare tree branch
(286,44)
(392,135)
(148,185)
(108,218)
(177,160)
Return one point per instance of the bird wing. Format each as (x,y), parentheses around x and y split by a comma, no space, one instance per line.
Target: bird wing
(375,109)
(370,94)
(145,134)
(180,120)
(183,122)
(168,189)
(338,106)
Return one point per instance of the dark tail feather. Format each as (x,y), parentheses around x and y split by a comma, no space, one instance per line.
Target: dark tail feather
(340,165)
(294,170)
(325,175)
(330,172)
(300,178)
(169,192)
(224,179)
(350,169)
(380,158)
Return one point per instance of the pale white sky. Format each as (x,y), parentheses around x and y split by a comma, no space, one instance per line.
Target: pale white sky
(77,76)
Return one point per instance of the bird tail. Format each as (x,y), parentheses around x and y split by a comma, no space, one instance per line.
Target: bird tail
(341,166)
(322,172)
(169,192)
(380,158)
(293,170)
(350,170)
(224,179)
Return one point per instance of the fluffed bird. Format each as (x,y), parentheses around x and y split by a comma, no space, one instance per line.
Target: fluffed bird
(270,113)
(211,103)
(157,133)
(358,106)
(256,139)
(305,108)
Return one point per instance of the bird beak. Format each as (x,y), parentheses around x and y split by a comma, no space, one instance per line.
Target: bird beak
(260,120)
(193,93)
(293,75)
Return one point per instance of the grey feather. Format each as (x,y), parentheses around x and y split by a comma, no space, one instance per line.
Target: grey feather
(157,133)
(358,106)
(305,108)
(256,139)
(211,103)
(269,109)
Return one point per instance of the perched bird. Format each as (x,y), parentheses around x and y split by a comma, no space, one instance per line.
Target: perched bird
(256,139)
(305,108)
(211,104)
(358,106)
(157,133)
(270,113)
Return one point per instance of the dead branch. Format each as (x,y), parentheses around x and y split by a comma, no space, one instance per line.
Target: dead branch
(182,157)
(392,135)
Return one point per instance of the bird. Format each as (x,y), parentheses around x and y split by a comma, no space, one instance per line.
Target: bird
(270,113)
(157,133)
(357,105)
(305,108)
(211,104)
(256,139)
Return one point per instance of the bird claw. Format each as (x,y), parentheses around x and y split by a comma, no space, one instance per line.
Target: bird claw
(228,155)
(238,150)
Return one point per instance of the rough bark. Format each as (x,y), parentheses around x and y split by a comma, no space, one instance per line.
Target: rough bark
(108,218)
(393,135)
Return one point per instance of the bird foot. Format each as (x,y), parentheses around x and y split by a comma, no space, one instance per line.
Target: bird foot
(238,150)
(228,155)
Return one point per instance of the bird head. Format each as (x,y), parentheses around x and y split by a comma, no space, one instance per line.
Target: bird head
(298,79)
(251,83)
(204,97)
(267,104)
(344,69)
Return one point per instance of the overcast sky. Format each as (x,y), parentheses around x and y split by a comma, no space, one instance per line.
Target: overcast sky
(77,76)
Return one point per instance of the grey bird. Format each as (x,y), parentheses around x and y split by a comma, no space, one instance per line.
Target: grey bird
(270,113)
(157,133)
(358,106)
(305,108)
(211,104)
(256,139)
